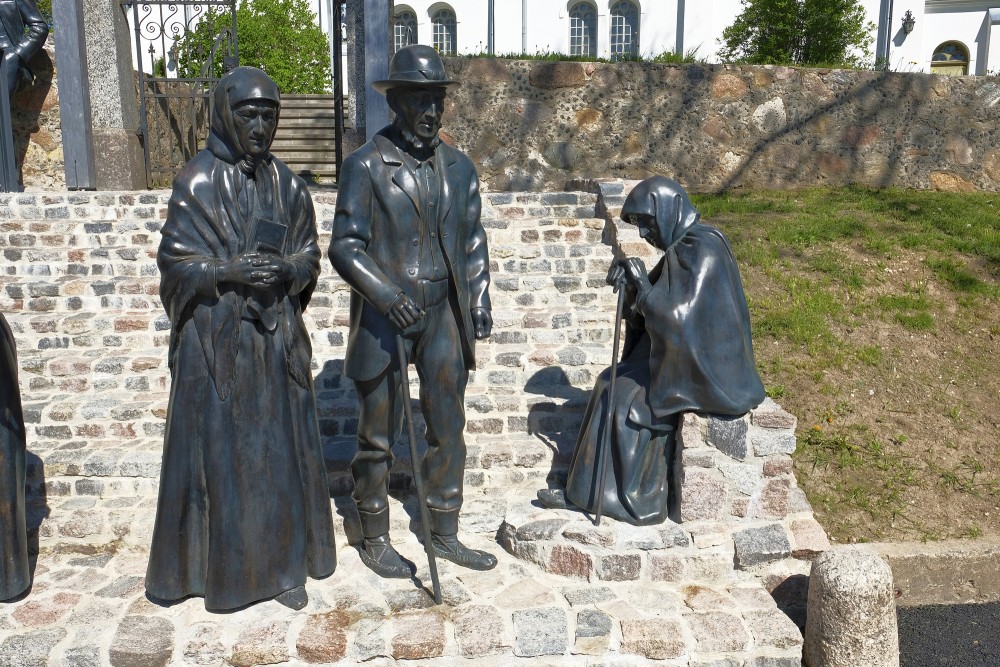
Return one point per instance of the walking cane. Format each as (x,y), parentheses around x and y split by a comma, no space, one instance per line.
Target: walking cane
(404,368)
(608,421)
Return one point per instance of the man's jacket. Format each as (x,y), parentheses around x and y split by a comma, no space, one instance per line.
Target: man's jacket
(375,245)
(15,15)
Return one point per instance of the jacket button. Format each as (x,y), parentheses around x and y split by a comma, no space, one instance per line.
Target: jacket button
(414,242)
(412,272)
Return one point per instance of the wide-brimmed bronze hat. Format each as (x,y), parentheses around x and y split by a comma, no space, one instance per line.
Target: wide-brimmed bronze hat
(415,66)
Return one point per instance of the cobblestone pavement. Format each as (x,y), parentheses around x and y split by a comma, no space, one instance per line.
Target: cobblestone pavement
(90,609)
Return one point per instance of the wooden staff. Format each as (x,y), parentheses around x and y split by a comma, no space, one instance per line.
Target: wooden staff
(608,421)
(404,368)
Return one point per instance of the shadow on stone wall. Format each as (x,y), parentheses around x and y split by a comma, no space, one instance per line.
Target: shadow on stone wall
(536,125)
(36,122)
(36,508)
(556,422)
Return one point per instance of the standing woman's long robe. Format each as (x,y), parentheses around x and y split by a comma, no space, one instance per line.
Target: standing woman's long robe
(14,574)
(244,507)
(687,348)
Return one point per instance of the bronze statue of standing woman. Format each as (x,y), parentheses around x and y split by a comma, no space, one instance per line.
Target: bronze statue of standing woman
(244,508)
(14,573)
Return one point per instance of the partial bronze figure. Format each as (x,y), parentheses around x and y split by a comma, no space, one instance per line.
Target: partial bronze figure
(408,240)
(14,573)
(23,30)
(244,508)
(687,348)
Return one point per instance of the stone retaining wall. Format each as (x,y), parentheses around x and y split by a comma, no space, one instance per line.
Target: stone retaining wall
(535,125)
(80,289)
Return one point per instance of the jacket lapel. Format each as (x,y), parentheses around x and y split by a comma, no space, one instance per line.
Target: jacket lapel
(403,177)
(446,159)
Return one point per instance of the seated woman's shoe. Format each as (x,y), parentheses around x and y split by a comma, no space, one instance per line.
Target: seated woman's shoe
(383,559)
(553,499)
(449,548)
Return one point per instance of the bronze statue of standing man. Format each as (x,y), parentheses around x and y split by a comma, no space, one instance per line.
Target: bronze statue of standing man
(408,240)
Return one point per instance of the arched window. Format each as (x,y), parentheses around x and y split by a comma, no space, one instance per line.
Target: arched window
(445,31)
(624,29)
(951,58)
(583,30)
(405,28)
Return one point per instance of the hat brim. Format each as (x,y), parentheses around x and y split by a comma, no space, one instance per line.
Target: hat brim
(385,85)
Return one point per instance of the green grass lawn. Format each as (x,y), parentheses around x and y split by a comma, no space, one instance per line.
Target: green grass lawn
(876,321)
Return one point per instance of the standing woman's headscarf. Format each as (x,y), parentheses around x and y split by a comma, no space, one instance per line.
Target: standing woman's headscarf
(242,84)
(666,202)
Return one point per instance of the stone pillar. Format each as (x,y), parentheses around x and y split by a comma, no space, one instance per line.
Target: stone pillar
(369,31)
(119,159)
(851,610)
(74,96)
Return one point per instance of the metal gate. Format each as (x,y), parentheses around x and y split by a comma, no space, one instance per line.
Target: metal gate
(177,79)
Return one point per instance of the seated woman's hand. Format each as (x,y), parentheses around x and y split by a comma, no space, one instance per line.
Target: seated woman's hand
(635,273)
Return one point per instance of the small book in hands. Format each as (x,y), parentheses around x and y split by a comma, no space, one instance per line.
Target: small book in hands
(270,237)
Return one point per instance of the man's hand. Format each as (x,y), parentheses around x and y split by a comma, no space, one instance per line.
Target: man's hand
(256,270)
(482,321)
(403,312)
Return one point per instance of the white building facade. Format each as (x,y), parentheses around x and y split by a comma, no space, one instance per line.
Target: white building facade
(943,36)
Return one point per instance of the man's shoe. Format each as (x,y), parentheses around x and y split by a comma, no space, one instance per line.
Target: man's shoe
(449,548)
(383,559)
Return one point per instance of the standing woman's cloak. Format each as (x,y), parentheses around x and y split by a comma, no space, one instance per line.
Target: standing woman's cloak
(244,506)
(687,348)
(14,574)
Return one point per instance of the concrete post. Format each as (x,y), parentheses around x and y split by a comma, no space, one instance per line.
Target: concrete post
(851,610)
(114,107)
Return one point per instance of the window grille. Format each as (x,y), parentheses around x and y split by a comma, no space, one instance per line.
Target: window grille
(624,30)
(583,30)
(445,31)
(951,58)
(405,29)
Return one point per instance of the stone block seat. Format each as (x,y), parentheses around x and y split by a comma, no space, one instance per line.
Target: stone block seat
(79,286)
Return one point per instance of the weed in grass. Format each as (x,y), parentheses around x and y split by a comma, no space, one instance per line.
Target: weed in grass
(909,309)
(955,275)
(870,355)
(974,532)
(955,414)
(832,264)
(775,391)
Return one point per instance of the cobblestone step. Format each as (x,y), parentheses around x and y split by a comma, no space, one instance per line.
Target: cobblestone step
(87,606)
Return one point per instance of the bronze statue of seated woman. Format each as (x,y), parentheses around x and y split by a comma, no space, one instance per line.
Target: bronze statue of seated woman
(686,348)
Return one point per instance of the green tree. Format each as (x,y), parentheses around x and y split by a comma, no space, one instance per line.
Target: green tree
(799,32)
(280,37)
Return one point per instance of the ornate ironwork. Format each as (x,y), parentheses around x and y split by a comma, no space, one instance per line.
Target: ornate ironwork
(176,77)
